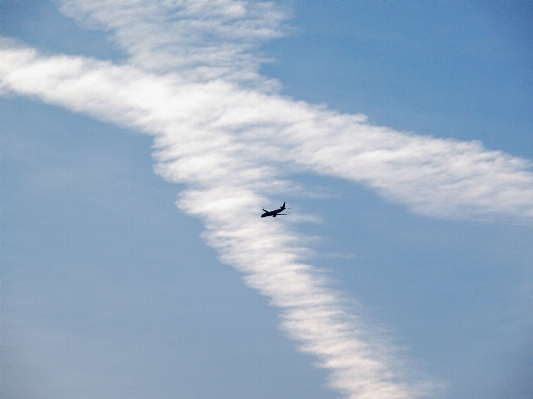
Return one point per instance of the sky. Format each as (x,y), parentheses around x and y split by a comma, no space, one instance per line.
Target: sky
(140,142)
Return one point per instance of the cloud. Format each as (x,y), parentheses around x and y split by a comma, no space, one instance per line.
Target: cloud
(256,137)
(191,82)
(201,39)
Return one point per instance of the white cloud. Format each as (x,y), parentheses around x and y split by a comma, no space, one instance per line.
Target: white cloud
(192,83)
(202,39)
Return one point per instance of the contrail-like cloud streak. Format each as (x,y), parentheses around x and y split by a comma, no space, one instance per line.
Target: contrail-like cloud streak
(191,82)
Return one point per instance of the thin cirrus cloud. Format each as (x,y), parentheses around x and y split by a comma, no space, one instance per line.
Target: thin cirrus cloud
(191,81)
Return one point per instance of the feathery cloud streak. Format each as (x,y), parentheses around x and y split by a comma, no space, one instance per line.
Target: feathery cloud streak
(268,133)
(192,83)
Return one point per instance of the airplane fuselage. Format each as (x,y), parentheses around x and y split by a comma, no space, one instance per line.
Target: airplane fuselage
(275,212)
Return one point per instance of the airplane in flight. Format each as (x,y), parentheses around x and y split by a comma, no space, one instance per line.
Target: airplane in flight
(274,213)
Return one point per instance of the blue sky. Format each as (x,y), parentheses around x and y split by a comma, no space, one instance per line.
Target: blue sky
(415,262)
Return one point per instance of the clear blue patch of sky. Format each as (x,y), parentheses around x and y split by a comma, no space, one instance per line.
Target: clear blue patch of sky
(40,25)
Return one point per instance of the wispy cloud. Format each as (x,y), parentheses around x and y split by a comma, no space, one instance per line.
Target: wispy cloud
(201,39)
(218,126)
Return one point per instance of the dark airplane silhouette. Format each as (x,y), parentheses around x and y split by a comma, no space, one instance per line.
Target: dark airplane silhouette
(274,213)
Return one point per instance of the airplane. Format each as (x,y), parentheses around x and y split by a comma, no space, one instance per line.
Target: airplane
(274,213)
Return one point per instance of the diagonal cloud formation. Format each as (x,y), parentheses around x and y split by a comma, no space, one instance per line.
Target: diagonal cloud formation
(208,41)
(192,83)
(202,40)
